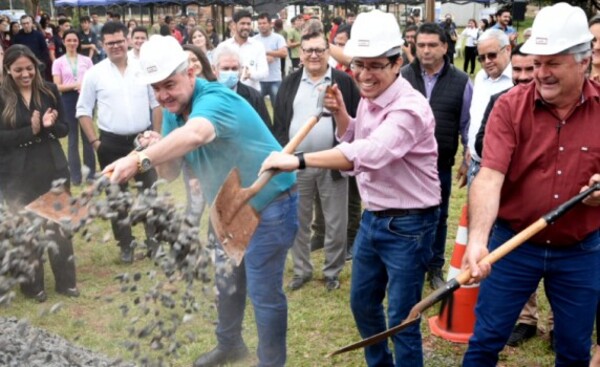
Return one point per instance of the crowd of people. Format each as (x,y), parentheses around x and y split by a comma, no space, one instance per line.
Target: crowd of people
(370,183)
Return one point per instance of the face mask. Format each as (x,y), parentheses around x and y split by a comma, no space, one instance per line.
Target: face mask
(228,78)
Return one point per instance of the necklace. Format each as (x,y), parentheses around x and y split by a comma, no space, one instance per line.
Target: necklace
(74,66)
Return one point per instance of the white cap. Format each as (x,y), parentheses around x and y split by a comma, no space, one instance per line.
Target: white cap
(374,34)
(159,58)
(556,29)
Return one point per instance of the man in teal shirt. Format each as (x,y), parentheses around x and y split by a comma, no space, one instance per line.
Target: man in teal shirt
(215,130)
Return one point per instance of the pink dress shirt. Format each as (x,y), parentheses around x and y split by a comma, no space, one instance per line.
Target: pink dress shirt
(392,145)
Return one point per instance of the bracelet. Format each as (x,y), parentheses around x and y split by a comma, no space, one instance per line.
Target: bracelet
(301,161)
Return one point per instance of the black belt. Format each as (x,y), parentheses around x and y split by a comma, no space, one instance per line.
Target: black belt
(403,212)
(122,137)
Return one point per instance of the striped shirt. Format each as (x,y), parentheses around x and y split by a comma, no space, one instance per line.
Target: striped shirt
(392,145)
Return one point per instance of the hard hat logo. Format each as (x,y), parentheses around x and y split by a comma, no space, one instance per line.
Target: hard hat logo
(159,58)
(152,69)
(363,43)
(557,29)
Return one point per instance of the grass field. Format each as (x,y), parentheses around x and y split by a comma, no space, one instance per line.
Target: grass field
(319,321)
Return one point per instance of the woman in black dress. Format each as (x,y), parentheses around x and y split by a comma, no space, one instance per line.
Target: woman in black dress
(31,158)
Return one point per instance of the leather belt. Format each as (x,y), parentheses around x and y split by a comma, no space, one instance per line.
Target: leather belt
(403,212)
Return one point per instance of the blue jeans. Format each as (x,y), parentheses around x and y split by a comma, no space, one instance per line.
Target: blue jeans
(261,276)
(439,245)
(391,253)
(571,280)
(270,89)
(69,100)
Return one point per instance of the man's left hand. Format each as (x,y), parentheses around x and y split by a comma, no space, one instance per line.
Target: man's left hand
(461,175)
(123,169)
(594,198)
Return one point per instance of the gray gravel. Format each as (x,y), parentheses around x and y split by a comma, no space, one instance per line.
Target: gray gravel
(24,345)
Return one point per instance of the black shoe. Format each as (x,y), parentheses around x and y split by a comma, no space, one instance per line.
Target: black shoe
(520,333)
(126,254)
(40,297)
(218,357)
(332,283)
(435,278)
(69,292)
(298,282)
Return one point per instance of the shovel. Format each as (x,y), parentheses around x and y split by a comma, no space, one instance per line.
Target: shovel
(439,294)
(57,205)
(233,219)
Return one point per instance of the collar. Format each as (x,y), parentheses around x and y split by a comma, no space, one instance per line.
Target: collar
(306,78)
(507,73)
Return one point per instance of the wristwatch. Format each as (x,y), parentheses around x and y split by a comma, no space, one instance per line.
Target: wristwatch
(301,161)
(144,163)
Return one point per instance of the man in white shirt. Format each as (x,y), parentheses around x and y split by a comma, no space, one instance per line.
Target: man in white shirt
(139,36)
(493,50)
(276,50)
(124,108)
(254,59)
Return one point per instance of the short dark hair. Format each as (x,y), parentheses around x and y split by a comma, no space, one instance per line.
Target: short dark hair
(432,28)
(594,20)
(241,14)
(346,28)
(139,28)
(337,20)
(410,28)
(502,11)
(264,16)
(168,19)
(84,19)
(516,51)
(63,21)
(314,34)
(112,28)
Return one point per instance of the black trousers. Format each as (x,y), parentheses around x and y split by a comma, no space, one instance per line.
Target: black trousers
(470,55)
(113,147)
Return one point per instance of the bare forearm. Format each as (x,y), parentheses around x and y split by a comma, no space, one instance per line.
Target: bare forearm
(484,201)
(157,119)
(281,53)
(87,125)
(330,159)
(337,53)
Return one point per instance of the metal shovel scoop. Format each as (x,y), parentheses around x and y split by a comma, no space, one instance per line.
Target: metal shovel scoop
(463,278)
(233,219)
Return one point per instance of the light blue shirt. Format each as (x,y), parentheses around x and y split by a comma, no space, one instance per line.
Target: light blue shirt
(242,141)
(273,42)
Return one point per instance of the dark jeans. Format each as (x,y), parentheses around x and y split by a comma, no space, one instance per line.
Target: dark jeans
(391,255)
(470,55)
(69,100)
(270,89)
(113,147)
(261,276)
(439,245)
(571,280)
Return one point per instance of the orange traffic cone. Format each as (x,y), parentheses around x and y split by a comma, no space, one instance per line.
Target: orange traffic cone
(457,313)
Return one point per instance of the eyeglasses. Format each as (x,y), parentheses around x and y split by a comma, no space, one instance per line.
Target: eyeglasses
(358,67)
(317,51)
(114,43)
(490,55)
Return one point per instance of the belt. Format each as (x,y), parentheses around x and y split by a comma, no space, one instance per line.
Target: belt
(403,212)
(287,193)
(122,137)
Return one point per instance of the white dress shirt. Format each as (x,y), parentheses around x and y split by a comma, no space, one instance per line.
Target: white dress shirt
(123,104)
(483,88)
(252,56)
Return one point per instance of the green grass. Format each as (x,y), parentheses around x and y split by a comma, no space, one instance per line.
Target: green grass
(318,323)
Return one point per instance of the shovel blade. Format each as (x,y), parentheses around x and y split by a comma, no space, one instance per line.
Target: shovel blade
(232,218)
(58,207)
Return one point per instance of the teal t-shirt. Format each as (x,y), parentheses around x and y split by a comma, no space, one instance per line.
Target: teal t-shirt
(242,141)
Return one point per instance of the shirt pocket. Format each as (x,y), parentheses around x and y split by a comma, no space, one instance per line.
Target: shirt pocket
(588,161)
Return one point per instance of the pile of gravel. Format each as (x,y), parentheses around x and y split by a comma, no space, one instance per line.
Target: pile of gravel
(24,345)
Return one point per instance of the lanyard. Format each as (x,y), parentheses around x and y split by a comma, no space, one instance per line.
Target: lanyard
(74,66)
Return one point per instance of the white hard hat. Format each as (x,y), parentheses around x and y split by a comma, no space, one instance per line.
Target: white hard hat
(557,28)
(159,58)
(374,34)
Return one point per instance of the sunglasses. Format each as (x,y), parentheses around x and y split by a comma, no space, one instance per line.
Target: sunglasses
(490,55)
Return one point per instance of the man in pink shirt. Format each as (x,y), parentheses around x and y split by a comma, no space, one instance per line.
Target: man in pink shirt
(391,150)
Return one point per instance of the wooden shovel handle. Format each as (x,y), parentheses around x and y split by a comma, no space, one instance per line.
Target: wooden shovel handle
(289,148)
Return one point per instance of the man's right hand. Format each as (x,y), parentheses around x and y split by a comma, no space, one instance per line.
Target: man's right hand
(473,254)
